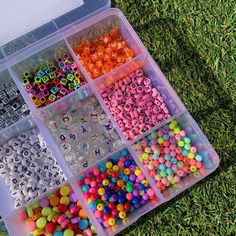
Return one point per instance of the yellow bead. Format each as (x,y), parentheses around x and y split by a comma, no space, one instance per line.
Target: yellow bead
(190,155)
(65,190)
(100,207)
(109,165)
(105,182)
(111,221)
(38,232)
(115,168)
(127,171)
(144,182)
(65,200)
(101,191)
(122,214)
(193,168)
(137,172)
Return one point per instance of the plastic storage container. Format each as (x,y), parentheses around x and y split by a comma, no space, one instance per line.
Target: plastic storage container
(88,21)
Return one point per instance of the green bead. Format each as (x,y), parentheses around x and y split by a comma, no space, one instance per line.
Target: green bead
(63,81)
(70,77)
(52,75)
(176,130)
(154,134)
(76,82)
(160,140)
(180,164)
(163,174)
(187,146)
(45,79)
(187,140)
(173,124)
(37,80)
(180,143)
(71,86)
(129,188)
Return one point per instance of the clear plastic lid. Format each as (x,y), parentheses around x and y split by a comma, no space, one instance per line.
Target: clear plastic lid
(23,23)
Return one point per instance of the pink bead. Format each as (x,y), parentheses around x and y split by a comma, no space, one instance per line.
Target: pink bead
(172,147)
(176,179)
(182,133)
(156,163)
(93,183)
(162,160)
(173,153)
(186,169)
(168,164)
(129,196)
(181,173)
(178,137)
(121,164)
(193,149)
(106,224)
(166,150)
(152,173)
(178,150)
(141,176)
(175,168)
(61,218)
(31,226)
(98,214)
(192,162)
(164,181)
(199,164)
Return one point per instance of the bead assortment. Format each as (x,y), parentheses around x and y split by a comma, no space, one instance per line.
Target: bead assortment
(3,229)
(52,81)
(103,53)
(12,104)
(169,155)
(135,104)
(28,167)
(58,214)
(115,188)
(84,133)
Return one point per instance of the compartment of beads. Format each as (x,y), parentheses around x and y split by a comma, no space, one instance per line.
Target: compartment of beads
(48,75)
(57,213)
(27,166)
(176,155)
(104,44)
(12,104)
(137,97)
(81,129)
(117,191)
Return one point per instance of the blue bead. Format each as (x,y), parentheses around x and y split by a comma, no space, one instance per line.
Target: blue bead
(166,136)
(83,224)
(169,171)
(125,178)
(135,200)
(92,204)
(173,160)
(184,152)
(107,194)
(162,167)
(198,157)
(124,152)
(106,210)
(141,187)
(102,167)
(85,188)
(155,156)
(127,163)
(167,157)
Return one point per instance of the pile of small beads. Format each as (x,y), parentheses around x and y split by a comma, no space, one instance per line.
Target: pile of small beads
(3,229)
(169,155)
(115,188)
(135,104)
(28,167)
(12,105)
(58,214)
(52,81)
(104,53)
(84,133)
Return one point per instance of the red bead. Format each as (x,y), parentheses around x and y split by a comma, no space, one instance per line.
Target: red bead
(62,208)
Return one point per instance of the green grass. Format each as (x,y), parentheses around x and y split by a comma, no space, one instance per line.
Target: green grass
(194,42)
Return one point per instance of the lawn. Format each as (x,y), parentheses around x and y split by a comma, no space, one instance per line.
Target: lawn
(194,43)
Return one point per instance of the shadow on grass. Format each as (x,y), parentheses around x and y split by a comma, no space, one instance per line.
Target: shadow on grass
(168,45)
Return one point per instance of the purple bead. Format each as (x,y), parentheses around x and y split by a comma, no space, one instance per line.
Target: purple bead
(100,220)
(132,168)
(111,185)
(153,141)
(44,202)
(137,206)
(145,196)
(138,180)
(136,193)
(132,177)
(73,197)
(165,130)
(113,198)
(142,202)
(172,140)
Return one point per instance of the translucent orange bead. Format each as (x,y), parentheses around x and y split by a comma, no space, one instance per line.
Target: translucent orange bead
(106,68)
(114,33)
(129,53)
(94,57)
(99,64)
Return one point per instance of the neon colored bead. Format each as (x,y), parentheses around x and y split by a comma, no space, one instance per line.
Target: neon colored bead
(122,214)
(193,168)
(190,155)
(41,222)
(100,207)
(64,190)
(111,221)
